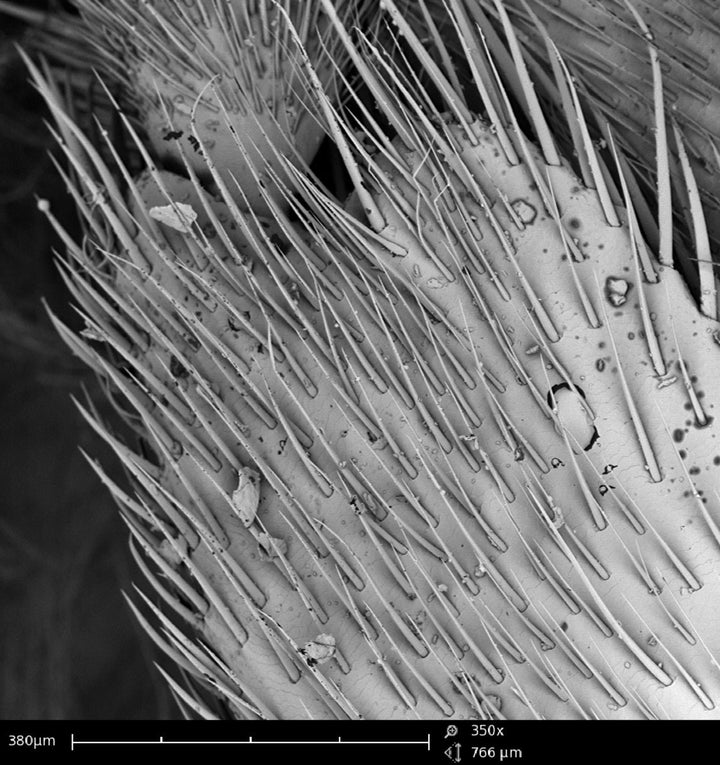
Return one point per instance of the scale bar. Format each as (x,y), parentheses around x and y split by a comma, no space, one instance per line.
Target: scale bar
(76,742)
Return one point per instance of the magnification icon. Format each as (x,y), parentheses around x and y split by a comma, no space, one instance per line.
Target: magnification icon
(451,731)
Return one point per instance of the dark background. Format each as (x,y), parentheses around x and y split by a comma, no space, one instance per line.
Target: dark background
(69,647)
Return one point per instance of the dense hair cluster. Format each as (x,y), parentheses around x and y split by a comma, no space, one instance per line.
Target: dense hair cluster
(445,446)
